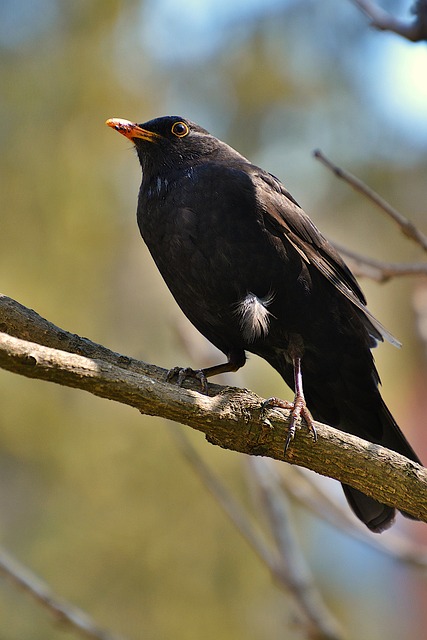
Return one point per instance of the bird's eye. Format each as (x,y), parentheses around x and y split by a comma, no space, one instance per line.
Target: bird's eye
(180,129)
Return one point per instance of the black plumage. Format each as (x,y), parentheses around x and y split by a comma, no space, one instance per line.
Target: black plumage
(252,272)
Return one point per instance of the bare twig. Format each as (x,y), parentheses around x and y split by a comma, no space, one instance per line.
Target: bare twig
(296,573)
(65,613)
(243,523)
(414,31)
(379,270)
(407,227)
(290,574)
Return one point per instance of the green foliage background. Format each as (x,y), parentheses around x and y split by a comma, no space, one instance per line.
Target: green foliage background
(94,497)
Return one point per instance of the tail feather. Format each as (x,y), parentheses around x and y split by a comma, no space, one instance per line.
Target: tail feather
(393,437)
(354,405)
(377,517)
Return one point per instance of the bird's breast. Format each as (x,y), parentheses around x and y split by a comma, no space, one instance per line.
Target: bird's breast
(209,243)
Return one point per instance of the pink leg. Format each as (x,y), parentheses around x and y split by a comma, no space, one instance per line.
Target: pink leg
(298,407)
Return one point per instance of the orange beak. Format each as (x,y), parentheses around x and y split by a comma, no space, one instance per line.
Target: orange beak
(131,130)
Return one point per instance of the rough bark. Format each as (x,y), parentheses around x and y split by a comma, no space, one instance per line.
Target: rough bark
(229,417)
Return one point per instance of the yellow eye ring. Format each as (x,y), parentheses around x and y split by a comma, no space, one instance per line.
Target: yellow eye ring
(180,129)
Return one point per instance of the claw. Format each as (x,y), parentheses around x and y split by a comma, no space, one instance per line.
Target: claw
(172,373)
(298,409)
(182,373)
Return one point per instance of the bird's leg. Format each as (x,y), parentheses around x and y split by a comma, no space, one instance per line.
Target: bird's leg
(298,407)
(236,360)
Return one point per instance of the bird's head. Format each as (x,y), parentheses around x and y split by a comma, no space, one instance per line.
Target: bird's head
(169,141)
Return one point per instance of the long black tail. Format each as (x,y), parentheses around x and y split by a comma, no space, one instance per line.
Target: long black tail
(352,403)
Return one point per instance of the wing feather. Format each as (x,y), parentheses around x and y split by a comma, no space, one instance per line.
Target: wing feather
(283,213)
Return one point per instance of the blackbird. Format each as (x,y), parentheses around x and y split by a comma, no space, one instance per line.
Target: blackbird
(252,273)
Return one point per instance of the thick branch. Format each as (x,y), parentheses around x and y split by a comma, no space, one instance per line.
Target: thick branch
(229,417)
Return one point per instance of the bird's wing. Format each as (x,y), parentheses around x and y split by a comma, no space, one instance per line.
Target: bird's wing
(285,217)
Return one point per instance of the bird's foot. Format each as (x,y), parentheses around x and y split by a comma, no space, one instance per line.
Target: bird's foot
(298,409)
(182,373)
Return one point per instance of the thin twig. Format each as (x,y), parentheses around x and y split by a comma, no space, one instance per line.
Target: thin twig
(414,31)
(379,270)
(407,227)
(296,572)
(243,523)
(64,612)
(290,574)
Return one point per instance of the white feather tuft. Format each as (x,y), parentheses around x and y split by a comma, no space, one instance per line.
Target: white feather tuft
(254,316)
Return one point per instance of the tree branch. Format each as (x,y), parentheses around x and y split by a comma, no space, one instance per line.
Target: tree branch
(229,417)
(65,613)
(379,270)
(291,563)
(405,225)
(285,563)
(384,21)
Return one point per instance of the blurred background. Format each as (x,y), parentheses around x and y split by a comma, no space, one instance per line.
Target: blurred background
(95,498)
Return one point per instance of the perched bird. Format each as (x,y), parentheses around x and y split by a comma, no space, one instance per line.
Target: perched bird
(252,273)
